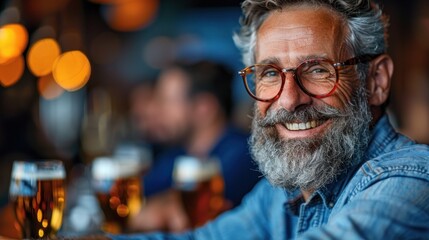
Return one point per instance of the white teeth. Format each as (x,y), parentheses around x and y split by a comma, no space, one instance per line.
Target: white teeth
(301,126)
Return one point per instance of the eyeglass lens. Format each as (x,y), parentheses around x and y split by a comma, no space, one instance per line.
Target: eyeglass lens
(316,77)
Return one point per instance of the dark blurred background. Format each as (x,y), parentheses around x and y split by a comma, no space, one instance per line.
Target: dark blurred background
(129,41)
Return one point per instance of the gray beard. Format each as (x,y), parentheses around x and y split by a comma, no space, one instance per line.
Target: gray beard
(311,163)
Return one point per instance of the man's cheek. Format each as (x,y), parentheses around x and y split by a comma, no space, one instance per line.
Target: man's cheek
(262,108)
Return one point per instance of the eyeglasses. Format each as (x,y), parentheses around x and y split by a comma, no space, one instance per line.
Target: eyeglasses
(317,78)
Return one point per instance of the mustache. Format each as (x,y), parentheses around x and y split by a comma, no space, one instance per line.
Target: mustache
(306,114)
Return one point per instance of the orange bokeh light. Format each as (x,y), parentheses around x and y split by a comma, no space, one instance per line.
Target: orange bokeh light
(131,15)
(48,88)
(11,71)
(42,55)
(72,70)
(13,41)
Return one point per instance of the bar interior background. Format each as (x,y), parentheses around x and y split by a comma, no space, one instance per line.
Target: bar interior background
(129,41)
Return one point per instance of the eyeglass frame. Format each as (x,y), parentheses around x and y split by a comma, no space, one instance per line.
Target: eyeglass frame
(352,61)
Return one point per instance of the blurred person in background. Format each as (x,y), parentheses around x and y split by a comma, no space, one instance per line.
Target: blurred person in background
(144,118)
(141,99)
(334,166)
(192,106)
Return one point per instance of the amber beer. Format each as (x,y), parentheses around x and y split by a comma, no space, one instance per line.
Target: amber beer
(201,187)
(118,189)
(38,194)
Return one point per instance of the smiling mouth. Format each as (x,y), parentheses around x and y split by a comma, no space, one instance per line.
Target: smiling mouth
(303,125)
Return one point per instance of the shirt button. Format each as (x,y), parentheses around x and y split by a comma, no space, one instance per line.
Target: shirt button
(331,205)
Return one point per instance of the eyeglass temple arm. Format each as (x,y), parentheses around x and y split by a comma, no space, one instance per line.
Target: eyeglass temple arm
(360,59)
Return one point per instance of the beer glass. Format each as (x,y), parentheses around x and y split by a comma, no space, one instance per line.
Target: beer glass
(116,182)
(37,190)
(201,187)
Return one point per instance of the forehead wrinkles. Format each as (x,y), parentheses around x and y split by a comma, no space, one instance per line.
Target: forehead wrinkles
(306,28)
(295,37)
(287,34)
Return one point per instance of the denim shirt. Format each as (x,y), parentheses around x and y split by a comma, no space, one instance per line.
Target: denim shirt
(386,197)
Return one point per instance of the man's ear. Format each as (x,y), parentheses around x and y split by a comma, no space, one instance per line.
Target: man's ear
(379,79)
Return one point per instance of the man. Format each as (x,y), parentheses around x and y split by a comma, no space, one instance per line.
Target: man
(334,166)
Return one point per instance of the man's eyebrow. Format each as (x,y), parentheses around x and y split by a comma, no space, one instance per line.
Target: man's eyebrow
(312,57)
(300,59)
(270,60)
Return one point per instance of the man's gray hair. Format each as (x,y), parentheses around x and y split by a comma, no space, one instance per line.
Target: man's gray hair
(367,26)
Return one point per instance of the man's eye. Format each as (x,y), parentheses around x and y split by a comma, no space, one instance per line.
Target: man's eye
(317,69)
(316,72)
(270,73)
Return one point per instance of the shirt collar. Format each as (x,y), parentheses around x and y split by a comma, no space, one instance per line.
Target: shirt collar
(382,134)
(330,193)
(294,199)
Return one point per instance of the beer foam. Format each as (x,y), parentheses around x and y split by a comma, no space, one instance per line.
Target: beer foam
(191,169)
(113,168)
(132,152)
(30,170)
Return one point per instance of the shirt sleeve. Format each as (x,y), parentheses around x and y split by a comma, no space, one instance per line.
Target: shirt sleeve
(391,208)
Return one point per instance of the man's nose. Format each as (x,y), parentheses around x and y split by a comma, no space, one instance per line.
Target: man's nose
(292,97)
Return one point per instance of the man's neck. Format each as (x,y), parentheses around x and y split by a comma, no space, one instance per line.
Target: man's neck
(306,194)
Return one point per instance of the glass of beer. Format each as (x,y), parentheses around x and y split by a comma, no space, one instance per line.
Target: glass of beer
(37,190)
(201,187)
(117,185)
